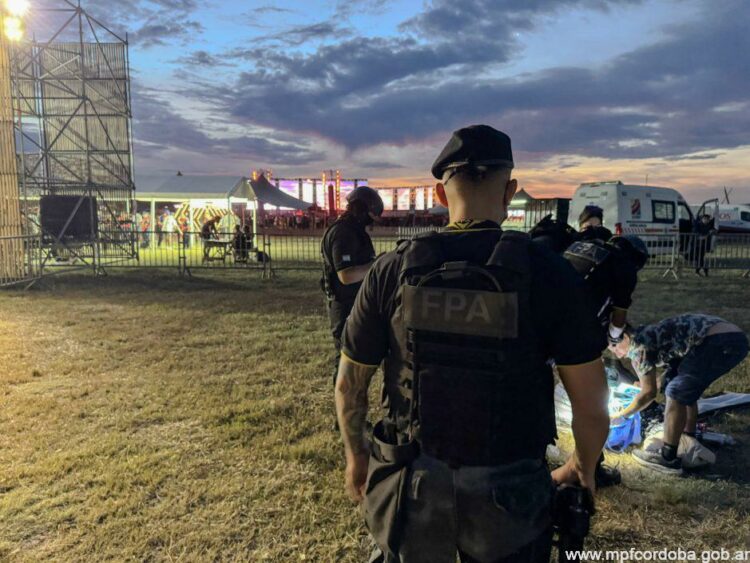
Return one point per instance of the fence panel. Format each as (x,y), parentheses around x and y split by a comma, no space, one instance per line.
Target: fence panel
(24,258)
(144,249)
(20,260)
(224,253)
(302,252)
(718,251)
(293,252)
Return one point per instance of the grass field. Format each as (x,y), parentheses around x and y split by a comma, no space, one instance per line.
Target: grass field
(153,418)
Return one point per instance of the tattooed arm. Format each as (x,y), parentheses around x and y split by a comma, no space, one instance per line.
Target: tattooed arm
(352,383)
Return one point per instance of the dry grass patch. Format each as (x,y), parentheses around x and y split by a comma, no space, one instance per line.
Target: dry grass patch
(154,418)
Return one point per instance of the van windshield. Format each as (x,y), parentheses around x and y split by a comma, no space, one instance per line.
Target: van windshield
(684,212)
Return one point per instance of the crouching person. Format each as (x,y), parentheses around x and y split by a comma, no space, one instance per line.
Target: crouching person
(695,351)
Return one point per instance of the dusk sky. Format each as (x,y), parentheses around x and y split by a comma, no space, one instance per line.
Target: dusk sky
(587,89)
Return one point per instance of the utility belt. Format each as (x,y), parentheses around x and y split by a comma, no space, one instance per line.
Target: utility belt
(515,495)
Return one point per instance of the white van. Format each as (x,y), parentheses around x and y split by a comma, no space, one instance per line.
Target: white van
(730,218)
(648,211)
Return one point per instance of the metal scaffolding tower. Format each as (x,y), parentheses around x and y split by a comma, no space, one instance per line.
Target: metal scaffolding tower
(73,139)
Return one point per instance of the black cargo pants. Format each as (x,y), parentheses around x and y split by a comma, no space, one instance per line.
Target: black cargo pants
(485,514)
(338,311)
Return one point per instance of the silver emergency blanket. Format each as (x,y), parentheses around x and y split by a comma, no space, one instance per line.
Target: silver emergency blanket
(620,396)
(723,401)
(564,415)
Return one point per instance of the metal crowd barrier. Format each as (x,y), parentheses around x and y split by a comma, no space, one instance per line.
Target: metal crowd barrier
(154,249)
(674,254)
(25,259)
(191,251)
(20,260)
(302,252)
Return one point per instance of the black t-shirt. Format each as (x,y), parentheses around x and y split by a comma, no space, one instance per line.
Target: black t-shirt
(346,244)
(563,317)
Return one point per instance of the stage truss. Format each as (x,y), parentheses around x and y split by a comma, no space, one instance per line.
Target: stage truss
(74,137)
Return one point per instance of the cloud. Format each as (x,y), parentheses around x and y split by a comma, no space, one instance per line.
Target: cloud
(345,8)
(711,156)
(491,17)
(299,35)
(382,165)
(158,127)
(149,22)
(656,100)
(163,32)
(261,10)
(201,59)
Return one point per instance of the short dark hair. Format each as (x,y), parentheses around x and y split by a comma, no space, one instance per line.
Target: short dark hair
(589,212)
(473,173)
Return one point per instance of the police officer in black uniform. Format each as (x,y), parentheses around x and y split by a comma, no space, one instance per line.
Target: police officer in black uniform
(465,323)
(609,269)
(348,253)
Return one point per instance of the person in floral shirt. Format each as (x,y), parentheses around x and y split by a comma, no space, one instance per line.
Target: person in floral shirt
(694,350)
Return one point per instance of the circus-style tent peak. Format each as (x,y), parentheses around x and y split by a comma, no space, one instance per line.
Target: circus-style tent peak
(265,192)
(522,197)
(180,187)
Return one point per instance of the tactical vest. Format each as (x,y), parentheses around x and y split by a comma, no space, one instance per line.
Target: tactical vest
(476,381)
(587,257)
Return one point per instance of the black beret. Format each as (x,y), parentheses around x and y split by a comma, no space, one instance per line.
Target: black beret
(478,145)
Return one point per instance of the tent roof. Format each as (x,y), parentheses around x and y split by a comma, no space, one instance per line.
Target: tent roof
(179,188)
(521,198)
(265,192)
(193,187)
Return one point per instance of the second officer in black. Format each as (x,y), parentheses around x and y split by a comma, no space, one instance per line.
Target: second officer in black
(348,253)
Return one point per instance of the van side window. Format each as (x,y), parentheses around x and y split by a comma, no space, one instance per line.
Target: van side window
(745,216)
(663,211)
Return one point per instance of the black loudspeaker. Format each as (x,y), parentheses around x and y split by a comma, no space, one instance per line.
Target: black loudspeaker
(79,213)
